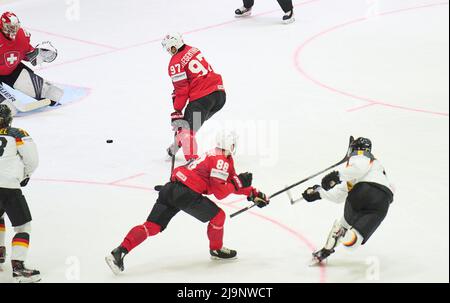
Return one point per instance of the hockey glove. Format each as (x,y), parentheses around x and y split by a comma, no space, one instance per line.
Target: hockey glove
(177,120)
(24,182)
(44,52)
(242,181)
(312,194)
(259,198)
(330,180)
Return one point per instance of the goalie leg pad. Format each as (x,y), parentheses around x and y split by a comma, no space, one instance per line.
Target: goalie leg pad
(36,87)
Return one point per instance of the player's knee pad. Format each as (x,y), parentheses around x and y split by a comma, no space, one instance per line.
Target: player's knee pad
(25,228)
(352,239)
(36,87)
(151,228)
(219,220)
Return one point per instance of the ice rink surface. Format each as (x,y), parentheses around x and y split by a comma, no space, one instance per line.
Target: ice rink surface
(294,92)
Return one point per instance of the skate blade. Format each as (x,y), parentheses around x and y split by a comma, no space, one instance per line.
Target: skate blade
(289,21)
(222,259)
(110,261)
(243,15)
(33,279)
(316,262)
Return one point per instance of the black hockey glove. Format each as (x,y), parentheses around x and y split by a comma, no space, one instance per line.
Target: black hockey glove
(24,182)
(242,180)
(331,180)
(259,198)
(311,194)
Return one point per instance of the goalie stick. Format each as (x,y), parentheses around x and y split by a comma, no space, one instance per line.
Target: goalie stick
(351,139)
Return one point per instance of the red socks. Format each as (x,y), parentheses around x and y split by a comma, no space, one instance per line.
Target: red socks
(139,234)
(215,231)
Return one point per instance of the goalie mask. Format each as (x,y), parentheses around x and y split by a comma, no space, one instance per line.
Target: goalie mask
(5,116)
(9,25)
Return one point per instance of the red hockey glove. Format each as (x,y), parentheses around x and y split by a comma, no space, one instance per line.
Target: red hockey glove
(259,198)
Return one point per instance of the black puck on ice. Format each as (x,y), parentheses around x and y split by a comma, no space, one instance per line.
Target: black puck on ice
(109,141)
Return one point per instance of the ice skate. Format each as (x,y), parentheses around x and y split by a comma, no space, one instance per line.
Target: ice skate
(288,17)
(243,12)
(223,254)
(320,255)
(115,260)
(21,274)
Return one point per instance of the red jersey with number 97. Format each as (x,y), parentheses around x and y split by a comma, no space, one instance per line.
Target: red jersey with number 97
(211,174)
(192,76)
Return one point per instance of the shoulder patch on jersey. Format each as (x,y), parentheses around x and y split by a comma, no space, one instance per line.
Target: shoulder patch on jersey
(17,133)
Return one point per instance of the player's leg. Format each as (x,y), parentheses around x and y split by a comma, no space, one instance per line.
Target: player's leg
(218,100)
(206,211)
(2,237)
(26,81)
(16,207)
(288,9)
(157,221)
(195,115)
(372,204)
(245,10)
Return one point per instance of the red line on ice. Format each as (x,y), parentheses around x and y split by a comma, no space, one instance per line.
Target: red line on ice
(299,67)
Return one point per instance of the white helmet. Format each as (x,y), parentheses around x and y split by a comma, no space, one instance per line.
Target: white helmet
(172,39)
(227,140)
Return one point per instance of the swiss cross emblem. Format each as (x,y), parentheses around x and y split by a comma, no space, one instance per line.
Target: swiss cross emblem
(11,58)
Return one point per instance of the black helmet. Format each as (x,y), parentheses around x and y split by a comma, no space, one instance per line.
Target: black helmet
(361,144)
(5,116)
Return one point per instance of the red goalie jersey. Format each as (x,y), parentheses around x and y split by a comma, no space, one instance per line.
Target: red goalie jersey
(192,77)
(12,52)
(212,174)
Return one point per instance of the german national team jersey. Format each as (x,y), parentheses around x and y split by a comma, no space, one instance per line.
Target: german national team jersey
(212,174)
(192,76)
(18,157)
(12,52)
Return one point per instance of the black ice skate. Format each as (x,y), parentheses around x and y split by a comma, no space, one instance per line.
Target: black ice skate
(288,17)
(21,274)
(321,255)
(243,12)
(115,260)
(223,254)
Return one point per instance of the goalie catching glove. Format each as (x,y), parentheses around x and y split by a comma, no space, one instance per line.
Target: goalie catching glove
(259,198)
(44,52)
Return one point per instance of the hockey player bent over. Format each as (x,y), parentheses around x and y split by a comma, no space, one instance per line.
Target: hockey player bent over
(15,47)
(195,84)
(18,160)
(367,193)
(211,174)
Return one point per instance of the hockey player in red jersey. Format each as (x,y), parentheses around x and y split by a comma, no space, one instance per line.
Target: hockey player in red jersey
(15,47)
(198,90)
(211,174)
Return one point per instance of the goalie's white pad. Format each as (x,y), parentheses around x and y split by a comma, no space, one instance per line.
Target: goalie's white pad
(36,87)
(17,106)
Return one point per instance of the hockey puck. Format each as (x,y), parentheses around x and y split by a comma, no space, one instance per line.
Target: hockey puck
(109,141)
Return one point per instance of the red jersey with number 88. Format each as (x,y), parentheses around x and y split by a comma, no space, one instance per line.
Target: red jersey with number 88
(212,174)
(192,76)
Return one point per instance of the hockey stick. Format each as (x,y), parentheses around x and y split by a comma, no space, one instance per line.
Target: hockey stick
(28,107)
(302,181)
(159,187)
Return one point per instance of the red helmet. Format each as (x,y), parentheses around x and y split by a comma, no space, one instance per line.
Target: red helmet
(9,25)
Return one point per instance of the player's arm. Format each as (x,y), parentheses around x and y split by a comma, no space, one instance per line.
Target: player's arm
(180,82)
(28,151)
(337,194)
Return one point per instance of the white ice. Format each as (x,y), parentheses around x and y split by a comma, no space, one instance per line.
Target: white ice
(295,93)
